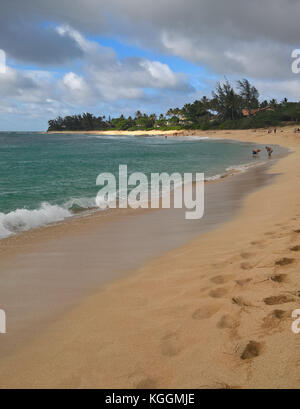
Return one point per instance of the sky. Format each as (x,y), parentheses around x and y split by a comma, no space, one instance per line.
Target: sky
(110,57)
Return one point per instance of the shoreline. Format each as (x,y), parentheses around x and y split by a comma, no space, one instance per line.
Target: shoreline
(160,317)
(134,133)
(70,214)
(42,252)
(175,133)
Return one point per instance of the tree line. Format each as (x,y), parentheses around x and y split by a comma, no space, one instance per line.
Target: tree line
(228,108)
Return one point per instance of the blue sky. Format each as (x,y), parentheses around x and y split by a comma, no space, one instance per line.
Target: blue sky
(118,57)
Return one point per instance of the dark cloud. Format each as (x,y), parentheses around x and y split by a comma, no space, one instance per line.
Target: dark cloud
(228,37)
(223,35)
(36,44)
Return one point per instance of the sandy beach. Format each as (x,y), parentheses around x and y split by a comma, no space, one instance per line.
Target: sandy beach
(213,313)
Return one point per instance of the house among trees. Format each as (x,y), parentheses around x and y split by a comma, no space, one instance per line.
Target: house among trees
(229,108)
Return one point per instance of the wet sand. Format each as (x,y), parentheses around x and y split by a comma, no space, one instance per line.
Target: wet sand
(215,312)
(45,272)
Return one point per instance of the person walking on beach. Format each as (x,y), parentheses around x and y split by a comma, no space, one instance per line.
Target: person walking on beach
(269,151)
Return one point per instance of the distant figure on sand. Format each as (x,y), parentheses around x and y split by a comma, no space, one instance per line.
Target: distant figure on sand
(255,152)
(269,151)
(275,130)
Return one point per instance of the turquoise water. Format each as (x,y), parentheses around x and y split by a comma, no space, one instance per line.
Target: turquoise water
(46,178)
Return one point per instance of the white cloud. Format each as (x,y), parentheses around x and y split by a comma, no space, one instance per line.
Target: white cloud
(280,89)
(100,78)
(73,81)
(106,76)
(234,38)
(223,35)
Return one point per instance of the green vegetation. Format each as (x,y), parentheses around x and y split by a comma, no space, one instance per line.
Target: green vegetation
(227,109)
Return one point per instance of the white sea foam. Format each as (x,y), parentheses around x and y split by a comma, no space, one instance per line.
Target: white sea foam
(197,138)
(244,167)
(232,170)
(215,177)
(23,219)
(81,203)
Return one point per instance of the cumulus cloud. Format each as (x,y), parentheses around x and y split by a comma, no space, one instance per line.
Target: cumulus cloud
(26,86)
(111,78)
(223,35)
(234,38)
(100,77)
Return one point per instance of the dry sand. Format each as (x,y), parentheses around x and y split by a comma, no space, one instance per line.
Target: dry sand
(215,313)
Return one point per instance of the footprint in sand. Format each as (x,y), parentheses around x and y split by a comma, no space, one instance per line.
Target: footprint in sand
(146,383)
(170,345)
(246,266)
(246,255)
(221,279)
(279,278)
(205,312)
(274,319)
(278,299)
(241,302)
(243,282)
(285,261)
(295,248)
(252,350)
(218,292)
(227,321)
(258,243)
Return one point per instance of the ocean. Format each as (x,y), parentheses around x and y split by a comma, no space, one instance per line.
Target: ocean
(46,178)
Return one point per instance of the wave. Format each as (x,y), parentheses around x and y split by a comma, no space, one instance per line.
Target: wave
(244,167)
(108,137)
(232,170)
(80,203)
(21,220)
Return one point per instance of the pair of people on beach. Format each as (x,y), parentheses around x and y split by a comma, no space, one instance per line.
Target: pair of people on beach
(269,150)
